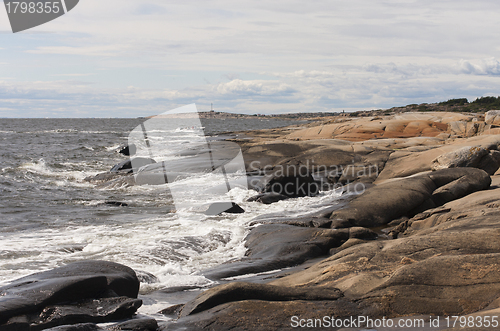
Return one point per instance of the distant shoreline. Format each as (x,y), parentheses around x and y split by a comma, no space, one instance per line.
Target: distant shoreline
(462,105)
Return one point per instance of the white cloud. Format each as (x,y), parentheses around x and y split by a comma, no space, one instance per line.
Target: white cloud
(254,87)
(104,50)
(75,75)
(489,66)
(252,56)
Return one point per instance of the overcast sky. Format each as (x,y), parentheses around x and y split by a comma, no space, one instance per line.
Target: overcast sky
(123,58)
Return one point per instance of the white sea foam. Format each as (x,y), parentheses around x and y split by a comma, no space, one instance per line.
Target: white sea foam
(174,247)
(69,175)
(114,147)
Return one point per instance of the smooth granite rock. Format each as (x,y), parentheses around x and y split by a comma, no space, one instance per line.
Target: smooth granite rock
(445,263)
(239,291)
(383,203)
(80,292)
(291,183)
(275,246)
(268,198)
(468,156)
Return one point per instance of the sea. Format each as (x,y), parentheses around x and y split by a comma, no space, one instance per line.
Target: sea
(51,216)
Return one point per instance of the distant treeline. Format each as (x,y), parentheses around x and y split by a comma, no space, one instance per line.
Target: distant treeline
(463,105)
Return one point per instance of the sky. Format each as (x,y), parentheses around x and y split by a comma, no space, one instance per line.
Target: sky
(123,58)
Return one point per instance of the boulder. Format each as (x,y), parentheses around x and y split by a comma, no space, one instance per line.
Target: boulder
(80,292)
(385,202)
(239,291)
(492,117)
(275,246)
(268,198)
(458,128)
(291,182)
(403,163)
(475,180)
(268,315)
(128,150)
(468,156)
(489,163)
(496,155)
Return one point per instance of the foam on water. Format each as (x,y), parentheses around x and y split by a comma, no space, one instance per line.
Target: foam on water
(113,148)
(174,247)
(69,173)
(51,216)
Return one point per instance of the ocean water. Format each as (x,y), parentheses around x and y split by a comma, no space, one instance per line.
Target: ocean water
(50,216)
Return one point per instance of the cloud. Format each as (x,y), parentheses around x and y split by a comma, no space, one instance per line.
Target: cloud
(150,9)
(104,50)
(251,56)
(369,86)
(74,75)
(489,66)
(254,88)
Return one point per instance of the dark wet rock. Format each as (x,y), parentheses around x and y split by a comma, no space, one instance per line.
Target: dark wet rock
(132,164)
(146,277)
(234,209)
(104,177)
(239,291)
(358,172)
(86,291)
(276,246)
(117,203)
(291,181)
(172,310)
(218,208)
(100,310)
(495,155)
(76,327)
(383,203)
(316,219)
(16,323)
(489,163)
(268,315)
(142,324)
(268,198)
(293,186)
(128,150)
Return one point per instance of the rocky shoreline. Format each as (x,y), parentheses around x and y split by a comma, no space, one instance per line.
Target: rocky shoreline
(421,240)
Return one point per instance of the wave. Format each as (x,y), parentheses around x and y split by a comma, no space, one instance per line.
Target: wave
(70,172)
(174,247)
